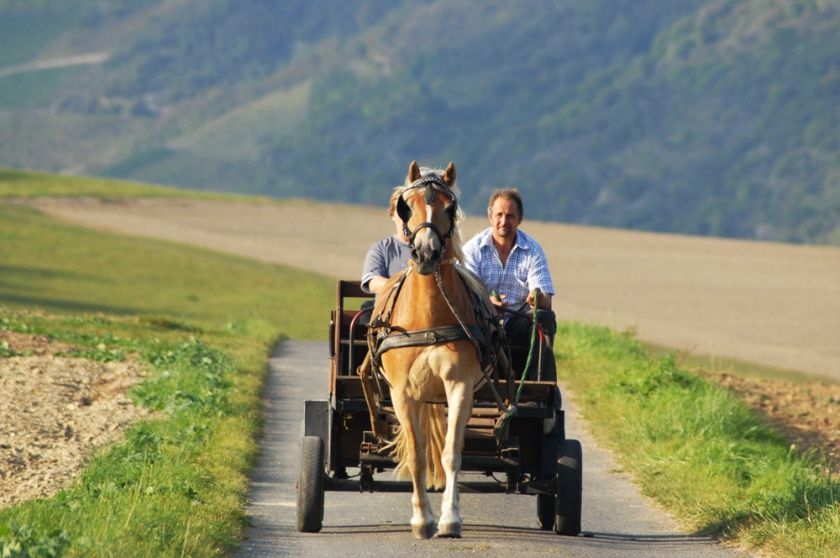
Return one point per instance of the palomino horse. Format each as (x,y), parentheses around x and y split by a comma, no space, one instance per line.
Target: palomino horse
(429,300)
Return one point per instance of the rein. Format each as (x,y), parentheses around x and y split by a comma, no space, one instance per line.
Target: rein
(390,337)
(485,367)
(501,427)
(533,344)
(481,335)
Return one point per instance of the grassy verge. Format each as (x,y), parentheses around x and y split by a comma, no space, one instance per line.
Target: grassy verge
(203,323)
(717,364)
(698,450)
(27,184)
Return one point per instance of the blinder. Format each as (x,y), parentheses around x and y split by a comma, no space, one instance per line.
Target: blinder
(404,211)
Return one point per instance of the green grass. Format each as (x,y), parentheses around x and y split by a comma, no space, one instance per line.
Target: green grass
(57,267)
(27,184)
(203,324)
(717,364)
(698,450)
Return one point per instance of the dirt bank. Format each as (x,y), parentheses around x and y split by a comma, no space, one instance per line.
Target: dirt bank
(56,411)
(807,414)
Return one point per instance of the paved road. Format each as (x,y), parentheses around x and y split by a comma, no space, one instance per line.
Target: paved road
(617,520)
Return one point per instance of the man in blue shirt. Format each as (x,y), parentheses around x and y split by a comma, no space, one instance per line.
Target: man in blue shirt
(512,264)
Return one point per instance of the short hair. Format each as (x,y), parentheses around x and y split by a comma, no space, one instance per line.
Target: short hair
(511,194)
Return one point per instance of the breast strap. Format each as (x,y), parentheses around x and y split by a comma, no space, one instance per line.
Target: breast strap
(488,335)
(424,337)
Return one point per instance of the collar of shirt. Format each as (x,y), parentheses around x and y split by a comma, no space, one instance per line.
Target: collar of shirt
(487,240)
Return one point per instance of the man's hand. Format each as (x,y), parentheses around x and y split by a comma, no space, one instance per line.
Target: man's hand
(496,300)
(544,300)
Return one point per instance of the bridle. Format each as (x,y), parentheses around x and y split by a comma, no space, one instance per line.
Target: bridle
(383,336)
(432,184)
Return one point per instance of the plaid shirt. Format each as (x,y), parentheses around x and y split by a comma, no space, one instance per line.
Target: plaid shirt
(526,268)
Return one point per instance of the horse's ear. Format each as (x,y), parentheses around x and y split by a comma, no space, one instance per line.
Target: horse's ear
(413,172)
(449,174)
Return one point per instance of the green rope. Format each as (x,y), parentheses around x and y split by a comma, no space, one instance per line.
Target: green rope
(530,349)
(500,429)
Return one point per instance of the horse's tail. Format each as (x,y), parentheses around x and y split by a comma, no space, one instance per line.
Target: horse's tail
(433,427)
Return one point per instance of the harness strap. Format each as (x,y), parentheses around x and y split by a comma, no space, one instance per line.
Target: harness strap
(487,335)
(483,346)
(424,337)
(433,336)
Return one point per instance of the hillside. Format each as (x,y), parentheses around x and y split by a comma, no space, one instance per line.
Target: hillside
(709,117)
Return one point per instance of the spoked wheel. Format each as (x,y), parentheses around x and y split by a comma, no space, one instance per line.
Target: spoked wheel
(546,508)
(569,488)
(310,496)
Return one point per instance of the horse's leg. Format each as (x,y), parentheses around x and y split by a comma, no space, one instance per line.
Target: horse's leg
(408,413)
(459,399)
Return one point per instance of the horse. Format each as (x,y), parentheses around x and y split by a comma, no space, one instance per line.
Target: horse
(430,300)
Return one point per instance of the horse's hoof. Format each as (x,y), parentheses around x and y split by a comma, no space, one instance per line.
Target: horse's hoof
(449,531)
(426,531)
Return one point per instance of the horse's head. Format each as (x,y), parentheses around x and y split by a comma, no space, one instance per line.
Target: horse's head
(429,211)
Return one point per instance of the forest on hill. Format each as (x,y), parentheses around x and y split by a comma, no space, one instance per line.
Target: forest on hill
(708,117)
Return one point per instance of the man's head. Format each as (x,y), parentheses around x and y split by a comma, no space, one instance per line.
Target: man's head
(505,212)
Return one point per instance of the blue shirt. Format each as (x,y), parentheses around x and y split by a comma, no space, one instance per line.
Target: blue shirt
(525,270)
(385,258)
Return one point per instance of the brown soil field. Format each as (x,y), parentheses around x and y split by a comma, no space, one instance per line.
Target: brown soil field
(806,413)
(56,412)
(777,305)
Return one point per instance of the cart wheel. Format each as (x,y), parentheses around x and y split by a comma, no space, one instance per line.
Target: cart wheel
(310,496)
(569,488)
(546,508)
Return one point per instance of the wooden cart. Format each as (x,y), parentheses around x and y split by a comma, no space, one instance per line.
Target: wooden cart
(535,458)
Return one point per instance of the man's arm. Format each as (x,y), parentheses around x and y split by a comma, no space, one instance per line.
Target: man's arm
(374,271)
(376,283)
(539,277)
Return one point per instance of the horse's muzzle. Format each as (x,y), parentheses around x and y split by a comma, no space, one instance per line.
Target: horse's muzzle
(427,251)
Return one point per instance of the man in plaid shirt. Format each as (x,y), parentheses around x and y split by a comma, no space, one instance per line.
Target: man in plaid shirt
(512,264)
